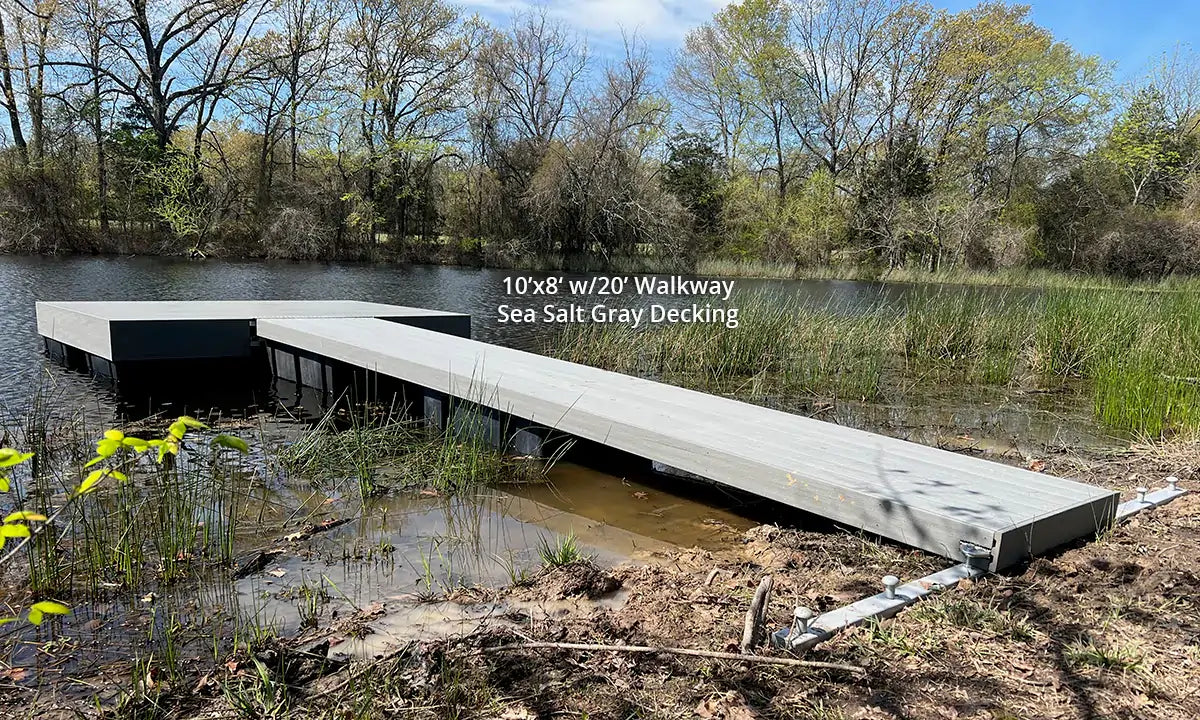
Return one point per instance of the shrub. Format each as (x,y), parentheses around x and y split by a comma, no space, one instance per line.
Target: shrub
(298,234)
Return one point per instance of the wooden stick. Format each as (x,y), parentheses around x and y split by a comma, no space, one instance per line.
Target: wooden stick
(767,659)
(756,615)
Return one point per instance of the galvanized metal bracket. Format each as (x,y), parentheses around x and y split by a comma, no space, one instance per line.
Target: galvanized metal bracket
(807,630)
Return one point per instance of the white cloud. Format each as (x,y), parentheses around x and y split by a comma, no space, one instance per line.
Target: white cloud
(652,20)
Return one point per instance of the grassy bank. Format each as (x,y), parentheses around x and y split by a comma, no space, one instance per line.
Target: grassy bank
(1027,644)
(1137,353)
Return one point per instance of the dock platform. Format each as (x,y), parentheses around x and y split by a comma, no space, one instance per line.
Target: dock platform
(917,495)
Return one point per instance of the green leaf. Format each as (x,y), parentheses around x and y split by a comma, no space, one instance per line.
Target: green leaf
(114,435)
(168,446)
(14,530)
(35,616)
(92,480)
(178,429)
(107,447)
(92,462)
(10,457)
(50,607)
(137,444)
(7,620)
(229,441)
(192,422)
(118,475)
(25,515)
(4,486)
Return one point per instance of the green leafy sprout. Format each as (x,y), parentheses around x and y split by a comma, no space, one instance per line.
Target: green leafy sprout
(108,452)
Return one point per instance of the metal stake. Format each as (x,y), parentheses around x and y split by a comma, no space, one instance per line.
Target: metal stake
(801,618)
(889,586)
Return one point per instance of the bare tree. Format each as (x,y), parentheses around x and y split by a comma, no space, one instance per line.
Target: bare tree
(842,50)
(595,190)
(85,23)
(177,57)
(11,107)
(410,59)
(532,70)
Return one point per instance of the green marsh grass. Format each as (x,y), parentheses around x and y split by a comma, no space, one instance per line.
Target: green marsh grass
(1137,353)
(821,351)
(1079,331)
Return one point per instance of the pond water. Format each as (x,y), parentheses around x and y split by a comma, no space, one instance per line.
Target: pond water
(401,546)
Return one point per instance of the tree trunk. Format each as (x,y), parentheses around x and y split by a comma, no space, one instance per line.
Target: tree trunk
(10,98)
(98,130)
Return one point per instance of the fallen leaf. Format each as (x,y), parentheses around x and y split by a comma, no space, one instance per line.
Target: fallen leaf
(277,572)
(729,706)
(204,684)
(641,495)
(1024,667)
(1037,465)
(518,712)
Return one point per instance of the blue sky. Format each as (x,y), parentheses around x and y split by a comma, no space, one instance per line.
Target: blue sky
(1131,33)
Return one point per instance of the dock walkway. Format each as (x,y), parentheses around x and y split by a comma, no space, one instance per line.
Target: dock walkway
(917,495)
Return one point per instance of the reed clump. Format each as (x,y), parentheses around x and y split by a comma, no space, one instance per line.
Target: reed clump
(1137,353)
(820,351)
(381,452)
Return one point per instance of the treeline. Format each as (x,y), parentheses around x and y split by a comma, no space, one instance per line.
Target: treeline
(877,132)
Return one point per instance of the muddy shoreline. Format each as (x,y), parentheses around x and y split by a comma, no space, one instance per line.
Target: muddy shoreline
(1106,628)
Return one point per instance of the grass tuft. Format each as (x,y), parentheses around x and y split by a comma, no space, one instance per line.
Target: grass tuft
(1091,652)
(559,551)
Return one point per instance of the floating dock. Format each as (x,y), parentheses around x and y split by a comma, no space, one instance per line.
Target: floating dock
(917,495)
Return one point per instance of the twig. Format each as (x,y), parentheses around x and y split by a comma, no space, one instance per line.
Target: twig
(756,616)
(767,659)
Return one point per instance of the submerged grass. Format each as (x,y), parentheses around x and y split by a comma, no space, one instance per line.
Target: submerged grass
(1138,353)
(380,451)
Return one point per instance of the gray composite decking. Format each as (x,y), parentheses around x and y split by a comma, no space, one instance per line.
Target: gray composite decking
(920,496)
(123,331)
